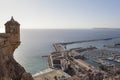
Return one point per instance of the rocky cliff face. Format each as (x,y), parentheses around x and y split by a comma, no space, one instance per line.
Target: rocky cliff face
(9,68)
(9,41)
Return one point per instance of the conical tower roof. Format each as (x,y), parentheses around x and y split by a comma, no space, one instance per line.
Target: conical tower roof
(11,22)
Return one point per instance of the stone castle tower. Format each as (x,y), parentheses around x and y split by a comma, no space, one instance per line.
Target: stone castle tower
(9,41)
(12,27)
(12,34)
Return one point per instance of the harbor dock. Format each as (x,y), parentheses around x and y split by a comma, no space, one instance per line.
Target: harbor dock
(62,55)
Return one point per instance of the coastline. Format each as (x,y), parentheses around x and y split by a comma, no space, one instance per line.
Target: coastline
(48,74)
(26,57)
(60,49)
(42,72)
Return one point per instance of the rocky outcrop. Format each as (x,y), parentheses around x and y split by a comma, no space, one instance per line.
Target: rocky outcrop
(9,41)
(9,68)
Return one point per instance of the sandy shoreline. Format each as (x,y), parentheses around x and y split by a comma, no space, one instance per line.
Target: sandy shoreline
(48,75)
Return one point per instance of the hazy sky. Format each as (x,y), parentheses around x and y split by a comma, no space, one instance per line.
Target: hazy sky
(62,13)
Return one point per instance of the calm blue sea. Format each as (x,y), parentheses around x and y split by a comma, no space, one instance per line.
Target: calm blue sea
(38,42)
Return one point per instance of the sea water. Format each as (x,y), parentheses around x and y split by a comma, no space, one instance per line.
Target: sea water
(36,43)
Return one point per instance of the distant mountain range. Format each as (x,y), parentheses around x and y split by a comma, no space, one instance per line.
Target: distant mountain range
(107,28)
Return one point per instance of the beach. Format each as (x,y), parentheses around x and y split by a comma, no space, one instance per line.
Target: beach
(49,75)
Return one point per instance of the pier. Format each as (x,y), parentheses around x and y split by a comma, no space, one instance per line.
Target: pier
(58,47)
(63,58)
(92,40)
(75,61)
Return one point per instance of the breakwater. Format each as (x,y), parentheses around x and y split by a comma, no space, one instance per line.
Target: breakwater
(92,40)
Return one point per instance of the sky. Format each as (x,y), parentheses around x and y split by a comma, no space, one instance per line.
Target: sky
(61,14)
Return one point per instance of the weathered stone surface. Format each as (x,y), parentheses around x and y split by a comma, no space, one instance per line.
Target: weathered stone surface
(10,69)
(26,76)
(9,41)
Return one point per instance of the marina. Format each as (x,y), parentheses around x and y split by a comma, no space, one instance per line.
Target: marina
(83,58)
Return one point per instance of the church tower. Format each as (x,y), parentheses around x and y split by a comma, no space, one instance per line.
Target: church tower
(12,28)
